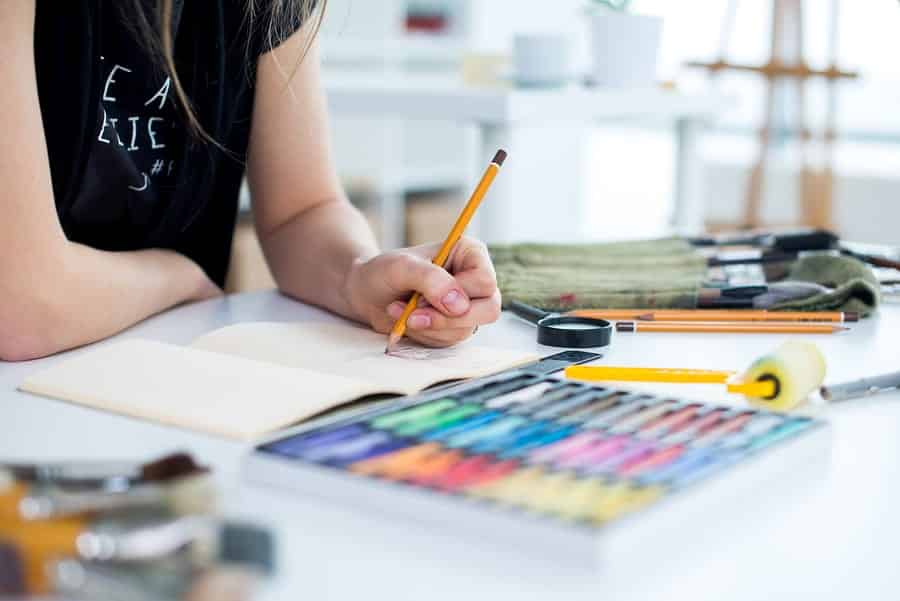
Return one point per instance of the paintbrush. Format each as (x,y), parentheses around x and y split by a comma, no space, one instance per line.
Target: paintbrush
(201,541)
(158,581)
(103,474)
(185,495)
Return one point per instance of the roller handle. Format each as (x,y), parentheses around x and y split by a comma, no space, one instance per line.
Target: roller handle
(527,312)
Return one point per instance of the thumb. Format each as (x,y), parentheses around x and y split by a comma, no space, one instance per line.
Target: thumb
(440,289)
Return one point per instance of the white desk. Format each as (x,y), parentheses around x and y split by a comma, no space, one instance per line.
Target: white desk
(524,205)
(841,545)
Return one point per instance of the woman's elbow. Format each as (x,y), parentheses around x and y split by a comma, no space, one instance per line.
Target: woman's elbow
(26,335)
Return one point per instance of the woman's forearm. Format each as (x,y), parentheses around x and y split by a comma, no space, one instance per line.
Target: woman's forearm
(312,254)
(87,295)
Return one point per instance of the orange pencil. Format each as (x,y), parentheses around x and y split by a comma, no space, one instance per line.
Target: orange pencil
(714,315)
(452,238)
(727,328)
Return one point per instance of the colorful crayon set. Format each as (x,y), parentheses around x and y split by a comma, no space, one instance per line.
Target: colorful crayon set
(580,455)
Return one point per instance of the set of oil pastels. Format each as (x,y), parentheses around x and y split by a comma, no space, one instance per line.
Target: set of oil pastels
(527,449)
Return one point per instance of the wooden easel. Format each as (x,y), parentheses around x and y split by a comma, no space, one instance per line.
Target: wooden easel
(787,61)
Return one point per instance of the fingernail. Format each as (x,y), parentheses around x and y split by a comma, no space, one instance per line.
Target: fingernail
(455,302)
(419,322)
(395,310)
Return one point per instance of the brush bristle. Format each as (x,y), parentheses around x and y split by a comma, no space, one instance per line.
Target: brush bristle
(171,467)
(500,157)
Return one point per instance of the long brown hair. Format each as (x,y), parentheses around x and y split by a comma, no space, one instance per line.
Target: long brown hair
(274,19)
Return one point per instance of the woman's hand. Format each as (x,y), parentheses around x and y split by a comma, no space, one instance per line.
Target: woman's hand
(455,301)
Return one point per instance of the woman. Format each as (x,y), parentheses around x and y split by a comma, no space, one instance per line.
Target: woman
(126,127)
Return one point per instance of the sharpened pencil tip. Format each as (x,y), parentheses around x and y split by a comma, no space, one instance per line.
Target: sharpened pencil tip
(500,157)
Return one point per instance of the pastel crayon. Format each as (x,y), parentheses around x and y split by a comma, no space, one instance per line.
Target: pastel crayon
(569,405)
(439,420)
(690,460)
(494,429)
(567,447)
(550,397)
(526,445)
(645,415)
(595,453)
(669,422)
(722,429)
(523,395)
(397,465)
(346,448)
(580,414)
(622,499)
(575,504)
(656,460)
(435,467)
(784,431)
(500,443)
(295,445)
(633,453)
(404,416)
(614,414)
(687,431)
(715,463)
(759,425)
(466,425)
(547,491)
(512,489)
(475,471)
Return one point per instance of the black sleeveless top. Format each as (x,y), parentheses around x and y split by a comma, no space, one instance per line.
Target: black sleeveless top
(127,174)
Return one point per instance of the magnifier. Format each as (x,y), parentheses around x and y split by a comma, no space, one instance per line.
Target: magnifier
(555,329)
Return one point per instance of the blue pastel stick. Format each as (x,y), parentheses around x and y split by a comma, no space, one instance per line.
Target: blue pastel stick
(390,446)
(505,441)
(530,443)
(784,431)
(295,445)
(691,460)
(494,429)
(346,448)
(716,462)
(466,425)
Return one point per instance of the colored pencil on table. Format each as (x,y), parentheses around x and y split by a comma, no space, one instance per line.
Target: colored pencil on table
(712,315)
(452,238)
(726,328)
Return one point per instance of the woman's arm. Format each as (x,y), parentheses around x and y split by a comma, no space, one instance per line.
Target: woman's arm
(319,247)
(54,294)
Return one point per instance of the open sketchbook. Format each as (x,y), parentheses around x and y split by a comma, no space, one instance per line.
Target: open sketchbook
(246,380)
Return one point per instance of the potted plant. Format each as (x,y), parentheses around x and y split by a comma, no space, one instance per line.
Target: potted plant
(624,46)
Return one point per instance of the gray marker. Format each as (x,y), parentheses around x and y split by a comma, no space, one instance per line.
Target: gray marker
(861,388)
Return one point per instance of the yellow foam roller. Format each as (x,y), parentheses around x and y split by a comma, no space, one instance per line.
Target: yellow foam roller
(795,369)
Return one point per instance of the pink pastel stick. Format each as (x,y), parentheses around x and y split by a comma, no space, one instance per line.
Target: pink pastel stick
(567,447)
(593,454)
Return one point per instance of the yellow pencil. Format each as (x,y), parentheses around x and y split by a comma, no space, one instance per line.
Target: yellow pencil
(452,238)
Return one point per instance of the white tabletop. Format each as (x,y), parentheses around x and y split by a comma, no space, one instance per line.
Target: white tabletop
(840,544)
(449,99)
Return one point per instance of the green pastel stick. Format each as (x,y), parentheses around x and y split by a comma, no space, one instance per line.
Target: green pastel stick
(394,420)
(438,420)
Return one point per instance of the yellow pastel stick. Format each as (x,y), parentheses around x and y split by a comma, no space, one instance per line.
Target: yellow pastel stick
(549,491)
(622,499)
(584,495)
(512,489)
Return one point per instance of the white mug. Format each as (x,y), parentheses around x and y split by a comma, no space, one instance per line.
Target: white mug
(542,59)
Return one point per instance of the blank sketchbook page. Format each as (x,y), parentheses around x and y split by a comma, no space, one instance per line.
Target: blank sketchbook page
(356,352)
(192,388)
